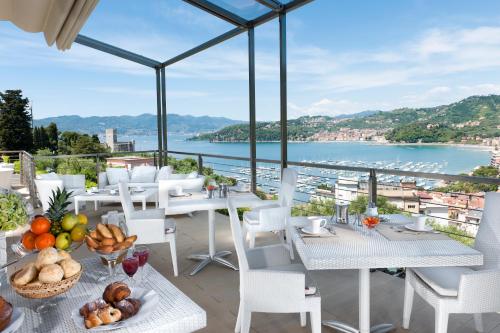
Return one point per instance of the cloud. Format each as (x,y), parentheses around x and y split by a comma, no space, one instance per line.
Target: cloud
(148,93)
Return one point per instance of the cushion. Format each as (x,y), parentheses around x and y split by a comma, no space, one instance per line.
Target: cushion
(164,173)
(252,216)
(73,181)
(143,174)
(443,280)
(116,175)
(50,176)
(192,175)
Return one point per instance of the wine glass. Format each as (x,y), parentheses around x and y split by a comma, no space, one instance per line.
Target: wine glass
(141,252)
(130,265)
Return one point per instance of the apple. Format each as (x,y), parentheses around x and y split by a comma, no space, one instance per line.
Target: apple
(78,233)
(69,221)
(82,219)
(63,241)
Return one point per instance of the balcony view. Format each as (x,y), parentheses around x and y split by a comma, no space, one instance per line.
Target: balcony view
(249,166)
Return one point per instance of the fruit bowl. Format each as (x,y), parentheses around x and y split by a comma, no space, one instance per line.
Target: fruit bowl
(45,290)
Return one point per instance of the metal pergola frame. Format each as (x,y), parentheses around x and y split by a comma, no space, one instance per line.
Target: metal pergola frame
(278,10)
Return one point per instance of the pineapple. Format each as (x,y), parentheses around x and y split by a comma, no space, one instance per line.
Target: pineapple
(57,209)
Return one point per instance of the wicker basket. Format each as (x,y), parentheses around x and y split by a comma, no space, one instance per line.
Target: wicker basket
(45,290)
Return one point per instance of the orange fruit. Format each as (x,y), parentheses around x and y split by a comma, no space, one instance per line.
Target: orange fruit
(44,241)
(28,240)
(40,225)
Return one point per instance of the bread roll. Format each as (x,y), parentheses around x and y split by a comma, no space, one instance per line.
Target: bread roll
(70,267)
(63,255)
(47,256)
(51,273)
(26,275)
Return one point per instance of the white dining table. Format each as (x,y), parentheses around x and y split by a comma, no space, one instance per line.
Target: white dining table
(174,313)
(143,197)
(198,201)
(359,250)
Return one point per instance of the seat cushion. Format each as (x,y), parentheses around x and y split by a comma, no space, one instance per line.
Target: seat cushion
(192,175)
(443,280)
(116,175)
(143,174)
(164,173)
(310,287)
(252,216)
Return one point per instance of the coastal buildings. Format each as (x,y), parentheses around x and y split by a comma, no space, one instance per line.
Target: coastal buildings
(115,145)
(129,162)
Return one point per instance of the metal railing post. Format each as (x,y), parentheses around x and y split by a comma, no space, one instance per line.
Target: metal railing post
(372,187)
(97,166)
(200,165)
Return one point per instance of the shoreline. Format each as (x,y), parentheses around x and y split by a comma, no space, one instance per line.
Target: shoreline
(423,144)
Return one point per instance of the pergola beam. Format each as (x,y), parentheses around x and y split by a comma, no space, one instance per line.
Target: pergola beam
(218,11)
(217,40)
(116,51)
(273,4)
(273,14)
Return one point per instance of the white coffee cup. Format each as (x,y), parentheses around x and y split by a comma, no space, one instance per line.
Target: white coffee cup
(317,224)
(179,190)
(419,221)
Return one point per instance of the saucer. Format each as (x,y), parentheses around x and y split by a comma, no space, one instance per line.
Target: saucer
(308,230)
(413,227)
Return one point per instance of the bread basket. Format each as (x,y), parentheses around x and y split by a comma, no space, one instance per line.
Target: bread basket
(45,290)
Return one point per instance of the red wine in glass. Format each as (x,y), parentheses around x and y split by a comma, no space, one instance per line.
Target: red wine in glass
(142,253)
(130,265)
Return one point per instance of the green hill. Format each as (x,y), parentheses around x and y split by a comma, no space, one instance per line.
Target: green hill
(475,116)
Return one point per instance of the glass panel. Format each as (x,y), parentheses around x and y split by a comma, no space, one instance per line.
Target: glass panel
(247,9)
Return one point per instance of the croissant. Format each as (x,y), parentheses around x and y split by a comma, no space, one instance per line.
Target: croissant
(116,292)
(109,315)
(90,307)
(128,307)
(5,313)
(92,320)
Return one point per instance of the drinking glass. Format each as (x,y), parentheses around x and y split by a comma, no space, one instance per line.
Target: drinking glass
(130,265)
(141,252)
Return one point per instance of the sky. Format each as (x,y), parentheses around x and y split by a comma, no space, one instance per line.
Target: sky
(343,57)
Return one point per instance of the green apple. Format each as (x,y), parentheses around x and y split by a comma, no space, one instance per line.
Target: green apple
(69,221)
(63,241)
(78,233)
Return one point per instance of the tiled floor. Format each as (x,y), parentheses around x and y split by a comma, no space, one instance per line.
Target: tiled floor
(215,289)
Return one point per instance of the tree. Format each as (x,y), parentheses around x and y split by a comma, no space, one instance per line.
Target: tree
(86,145)
(53,137)
(15,122)
(359,205)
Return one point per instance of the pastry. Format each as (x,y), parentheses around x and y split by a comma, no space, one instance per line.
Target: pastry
(26,275)
(106,249)
(104,231)
(63,255)
(128,307)
(5,313)
(131,239)
(51,273)
(92,320)
(121,246)
(91,243)
(108,241)
(117,233)
(90,307)
(109,315)
(47,256)
(70,267)
(116,292)
(95,235)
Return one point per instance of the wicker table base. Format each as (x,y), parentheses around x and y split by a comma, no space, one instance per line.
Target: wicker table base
(175,312)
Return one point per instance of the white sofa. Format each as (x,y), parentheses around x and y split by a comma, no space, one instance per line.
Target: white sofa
(47,183)
(6,177)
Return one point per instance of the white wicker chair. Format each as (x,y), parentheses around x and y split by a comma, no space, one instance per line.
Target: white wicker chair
(274,214)
(149,225)
(270,283)
(473,290)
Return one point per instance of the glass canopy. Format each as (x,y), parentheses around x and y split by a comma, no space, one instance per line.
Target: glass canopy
(247,9)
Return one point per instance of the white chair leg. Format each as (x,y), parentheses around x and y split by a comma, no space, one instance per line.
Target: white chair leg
(303,319)
(246,318)
(478,321)
(316,319)
(408,304)
(237,328)
(251,243)
(173,252)
(290,243)
(441,325)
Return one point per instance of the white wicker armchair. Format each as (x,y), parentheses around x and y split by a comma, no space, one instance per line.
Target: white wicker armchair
(149,225)
(273,215)
(270,283)
(473,290)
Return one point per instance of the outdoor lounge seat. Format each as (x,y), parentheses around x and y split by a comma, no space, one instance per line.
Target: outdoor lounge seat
(472,290)
(48,183)
(269,282)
